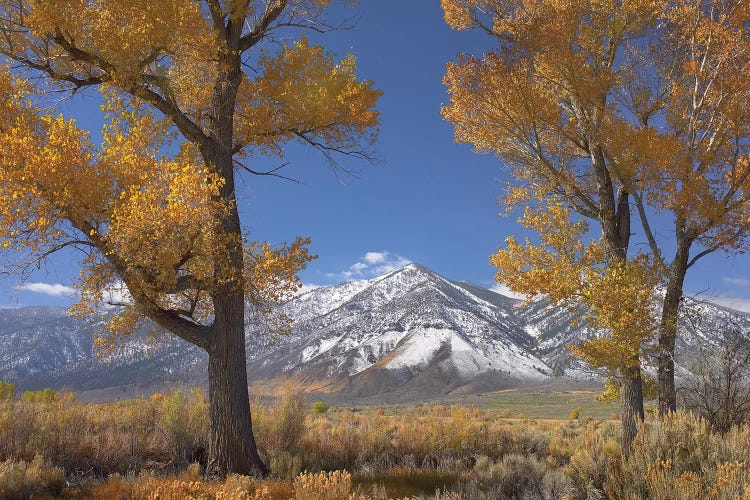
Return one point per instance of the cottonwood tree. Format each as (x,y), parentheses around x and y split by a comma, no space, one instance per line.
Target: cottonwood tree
(602,104)
(685,151)
(193,96)
(617,295)
(540,101)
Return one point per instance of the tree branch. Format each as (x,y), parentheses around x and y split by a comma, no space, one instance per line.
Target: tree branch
(256,34)
(217,16)
(186,126)
(170,320)
(649,233)
(700,255)
(271,172)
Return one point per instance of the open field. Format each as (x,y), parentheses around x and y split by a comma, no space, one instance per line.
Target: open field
(548,401)
(156,447)
(535,402)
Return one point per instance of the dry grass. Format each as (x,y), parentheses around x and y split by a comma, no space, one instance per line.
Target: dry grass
(141,448)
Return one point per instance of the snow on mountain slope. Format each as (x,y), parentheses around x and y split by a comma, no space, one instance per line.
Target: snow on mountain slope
(554,328)
(412,318)
(409,333)
(36,339)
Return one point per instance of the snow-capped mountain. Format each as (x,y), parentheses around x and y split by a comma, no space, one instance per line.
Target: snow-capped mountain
(409,328)
(407,334)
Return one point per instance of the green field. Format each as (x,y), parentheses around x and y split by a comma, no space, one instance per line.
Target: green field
(532,402)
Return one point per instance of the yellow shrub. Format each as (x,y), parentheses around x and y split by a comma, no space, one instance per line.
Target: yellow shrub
(7,391)
(148,487)
(46,395)
(335,485)
(183,416)
(24,480)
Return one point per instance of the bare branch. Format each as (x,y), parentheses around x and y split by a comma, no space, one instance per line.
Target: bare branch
(271,173)
(256,34)
(649,233)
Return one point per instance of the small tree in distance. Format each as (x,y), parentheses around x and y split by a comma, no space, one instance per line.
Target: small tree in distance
(7,391)
(718,385)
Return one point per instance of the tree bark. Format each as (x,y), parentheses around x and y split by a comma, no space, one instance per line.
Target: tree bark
(615,223)
(631,397)
(668,328)
(232,447)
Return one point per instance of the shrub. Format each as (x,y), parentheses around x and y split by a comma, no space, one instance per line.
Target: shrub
(44,396)
(516,477)
(189,485)
(592,459)
(7,391)
(183,417)
(319,407)
(280,426)
(336,485)
(680,457)
(19,479)
(575,413)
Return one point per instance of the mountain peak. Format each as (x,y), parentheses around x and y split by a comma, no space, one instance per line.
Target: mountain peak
(412,267)
(409,273)
(409,333)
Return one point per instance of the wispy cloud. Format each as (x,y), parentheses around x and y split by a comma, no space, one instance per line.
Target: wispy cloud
(741,304)
(503,289)
(737,281)
(51,289)
(372,264)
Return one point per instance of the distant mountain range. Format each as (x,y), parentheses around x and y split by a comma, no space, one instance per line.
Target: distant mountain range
(409,334)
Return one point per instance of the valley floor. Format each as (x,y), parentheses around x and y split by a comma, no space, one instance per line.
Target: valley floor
(471,448)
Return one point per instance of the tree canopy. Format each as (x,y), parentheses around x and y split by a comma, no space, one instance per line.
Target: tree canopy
(599,105)
(194,92)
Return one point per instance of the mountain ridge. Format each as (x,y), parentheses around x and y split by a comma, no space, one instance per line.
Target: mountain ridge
(408,334)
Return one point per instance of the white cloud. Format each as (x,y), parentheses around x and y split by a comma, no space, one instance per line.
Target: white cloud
(372,264)
(737,281)
(741,304)
(52,289)
(375,257)
(397,262)
(358,267)
(503,289)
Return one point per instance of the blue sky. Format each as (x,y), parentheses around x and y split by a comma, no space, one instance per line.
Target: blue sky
(429,201)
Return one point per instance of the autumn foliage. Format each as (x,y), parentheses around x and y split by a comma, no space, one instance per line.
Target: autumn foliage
(190,100)
(600,108)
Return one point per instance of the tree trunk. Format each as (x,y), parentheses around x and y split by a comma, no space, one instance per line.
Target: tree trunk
(631,394)
(668,329)
(232,446)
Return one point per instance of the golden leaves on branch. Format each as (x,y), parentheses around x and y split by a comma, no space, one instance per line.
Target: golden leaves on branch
(270,278)
(302,90)
(150,223)
(618,297)
(169,38)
